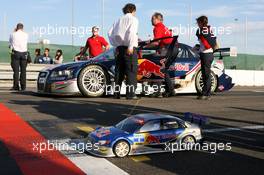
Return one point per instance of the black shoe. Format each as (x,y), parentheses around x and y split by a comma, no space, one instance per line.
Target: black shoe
(133,98)
(203,97)
(159,95)
(166,94)
(117,96)
(172,94)
(14,89)
(207,98)
(156,95)
(23,88)
(200,97)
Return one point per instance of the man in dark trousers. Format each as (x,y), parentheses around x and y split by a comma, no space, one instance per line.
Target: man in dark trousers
(123,36)
(207,44)
(161,31)
(18,44)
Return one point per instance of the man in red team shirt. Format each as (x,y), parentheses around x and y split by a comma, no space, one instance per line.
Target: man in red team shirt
(96,44)
(161,31)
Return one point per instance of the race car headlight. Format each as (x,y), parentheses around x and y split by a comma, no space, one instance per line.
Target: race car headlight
(103,142)
(67,73)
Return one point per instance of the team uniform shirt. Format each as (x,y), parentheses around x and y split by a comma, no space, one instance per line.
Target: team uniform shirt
(160,31)
(206,39)
(124,32)
(95,45)
(18,41)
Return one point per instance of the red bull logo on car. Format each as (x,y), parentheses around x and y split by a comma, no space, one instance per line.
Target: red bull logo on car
(180,67)
(152,139)
(146,68)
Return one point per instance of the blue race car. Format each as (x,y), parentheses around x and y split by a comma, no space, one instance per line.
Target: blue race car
(142,134)
(95,77)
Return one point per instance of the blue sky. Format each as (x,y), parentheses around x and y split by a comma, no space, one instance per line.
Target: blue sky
(244,19)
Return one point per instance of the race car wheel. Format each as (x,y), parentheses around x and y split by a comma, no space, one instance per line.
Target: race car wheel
(199,82)
(188,140)
(92,81)
(121,148)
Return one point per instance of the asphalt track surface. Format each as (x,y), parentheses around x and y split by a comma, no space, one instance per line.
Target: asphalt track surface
(236,117)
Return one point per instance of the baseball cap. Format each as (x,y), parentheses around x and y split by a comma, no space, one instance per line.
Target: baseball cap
(95,28)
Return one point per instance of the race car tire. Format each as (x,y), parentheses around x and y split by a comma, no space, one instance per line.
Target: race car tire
(121,148)
(199,82)
(92,81)
(188,142)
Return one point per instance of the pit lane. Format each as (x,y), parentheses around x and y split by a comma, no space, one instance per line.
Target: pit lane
(62,117)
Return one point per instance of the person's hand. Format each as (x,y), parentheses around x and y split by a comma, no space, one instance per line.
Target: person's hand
(147,44)
(107,47)
(148,41)
(130,51)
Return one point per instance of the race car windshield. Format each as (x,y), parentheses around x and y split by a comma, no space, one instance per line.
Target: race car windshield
(131,124)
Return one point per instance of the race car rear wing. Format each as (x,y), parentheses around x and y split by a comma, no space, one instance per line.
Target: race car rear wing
(225,52)
(196,118)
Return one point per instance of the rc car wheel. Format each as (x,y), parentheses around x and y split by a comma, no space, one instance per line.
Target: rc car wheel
(199,82)
(188,140)
(92,81)
(121,148)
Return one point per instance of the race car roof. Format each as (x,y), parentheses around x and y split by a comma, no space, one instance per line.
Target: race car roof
(150,116)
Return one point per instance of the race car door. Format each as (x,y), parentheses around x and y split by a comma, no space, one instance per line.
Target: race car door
(150,131)
(171,129)
(185,62)
(158,132)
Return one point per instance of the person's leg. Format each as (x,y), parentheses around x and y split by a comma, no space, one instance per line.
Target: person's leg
(16,61)
(131,73)
(206,61)
(158,89)
(169,87)
(12,65)
(202,58)
(119,72)
(23,72)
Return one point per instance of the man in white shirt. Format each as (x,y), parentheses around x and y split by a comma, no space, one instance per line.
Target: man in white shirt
(123,36)
(18,43)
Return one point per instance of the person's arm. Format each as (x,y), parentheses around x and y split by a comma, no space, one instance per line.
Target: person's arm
(157,34)
(132,36)
(196,48)
(10,41)
(84,49)
(11,44)
(105,43)
(27,39)
(111,36)
(76,58)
